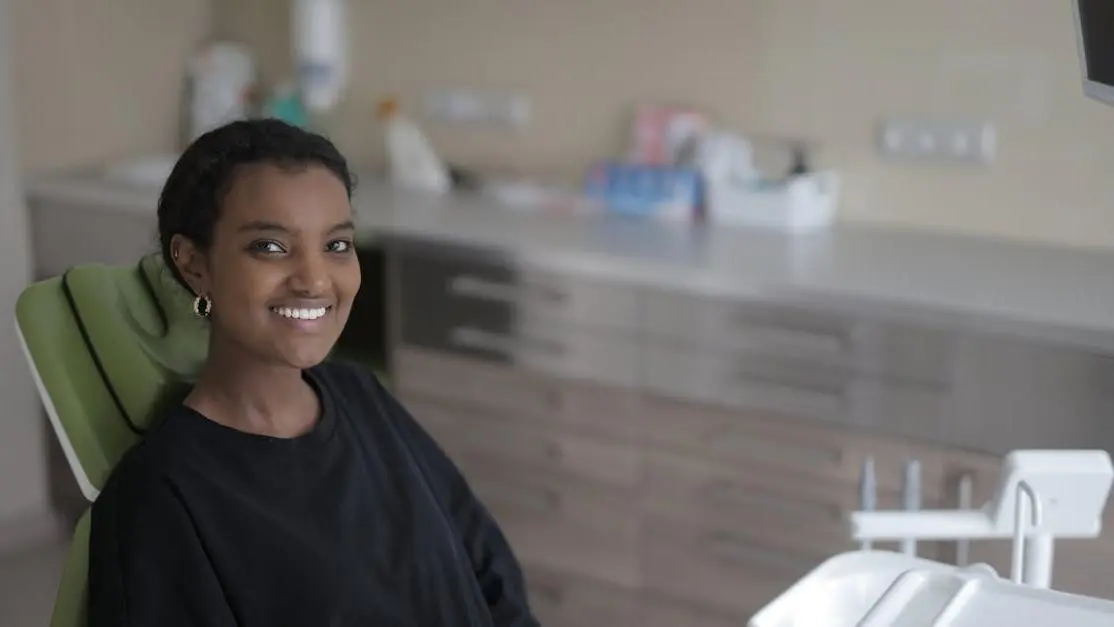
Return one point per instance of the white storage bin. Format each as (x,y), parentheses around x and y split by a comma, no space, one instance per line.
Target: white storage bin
(802,203)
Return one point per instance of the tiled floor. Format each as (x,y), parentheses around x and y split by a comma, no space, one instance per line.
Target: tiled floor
(28,581)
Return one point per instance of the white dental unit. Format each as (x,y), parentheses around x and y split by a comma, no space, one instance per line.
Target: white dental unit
(1044,495)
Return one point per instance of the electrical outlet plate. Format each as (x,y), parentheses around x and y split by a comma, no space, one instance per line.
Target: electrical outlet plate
(938,140)
(478,107)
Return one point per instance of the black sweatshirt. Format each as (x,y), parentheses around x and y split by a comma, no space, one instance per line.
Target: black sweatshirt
(362,521)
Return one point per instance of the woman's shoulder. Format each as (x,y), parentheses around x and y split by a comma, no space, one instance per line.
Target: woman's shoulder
(142,477)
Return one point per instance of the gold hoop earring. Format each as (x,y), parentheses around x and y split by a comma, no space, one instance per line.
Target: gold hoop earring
(202,306)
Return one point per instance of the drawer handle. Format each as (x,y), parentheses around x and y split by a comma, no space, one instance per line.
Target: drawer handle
(731,546)
(475,287)
(468,337)
(725,492)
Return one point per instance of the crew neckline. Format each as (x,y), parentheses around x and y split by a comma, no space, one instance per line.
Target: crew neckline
(321,431)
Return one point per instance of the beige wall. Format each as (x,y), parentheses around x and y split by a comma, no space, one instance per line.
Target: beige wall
(23,472)
(828,69)
(81,81)
(101,79)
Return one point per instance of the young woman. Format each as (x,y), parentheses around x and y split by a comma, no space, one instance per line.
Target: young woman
(284,490)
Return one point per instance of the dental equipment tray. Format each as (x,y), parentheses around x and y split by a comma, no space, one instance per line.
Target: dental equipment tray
(882,589)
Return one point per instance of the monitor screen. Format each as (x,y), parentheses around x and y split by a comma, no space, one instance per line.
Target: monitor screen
(1096,46)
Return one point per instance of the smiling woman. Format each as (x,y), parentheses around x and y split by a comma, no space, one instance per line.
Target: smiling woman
(284,490)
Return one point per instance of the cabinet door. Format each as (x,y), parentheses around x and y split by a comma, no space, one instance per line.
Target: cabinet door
(572,527)
(514,393)
(494,443)
(563,600)
(772,442)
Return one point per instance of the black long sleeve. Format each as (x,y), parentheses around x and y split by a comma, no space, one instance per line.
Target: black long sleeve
(146,562)
(364,521)
(497,569)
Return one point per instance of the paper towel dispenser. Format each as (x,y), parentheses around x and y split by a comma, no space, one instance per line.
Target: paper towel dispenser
(1095,30)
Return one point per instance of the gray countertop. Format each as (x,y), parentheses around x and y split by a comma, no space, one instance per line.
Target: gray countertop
(1047,293)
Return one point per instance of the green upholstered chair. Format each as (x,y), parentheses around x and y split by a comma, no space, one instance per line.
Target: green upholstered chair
(108,346)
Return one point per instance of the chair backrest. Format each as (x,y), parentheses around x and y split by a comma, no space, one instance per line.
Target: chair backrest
(108,347)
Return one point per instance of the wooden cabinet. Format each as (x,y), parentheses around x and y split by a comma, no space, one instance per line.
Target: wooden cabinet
(659,459)
(709,510)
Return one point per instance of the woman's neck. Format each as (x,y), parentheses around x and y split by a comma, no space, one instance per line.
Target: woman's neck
(241,391)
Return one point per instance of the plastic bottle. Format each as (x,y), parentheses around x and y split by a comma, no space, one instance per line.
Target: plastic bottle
(320,51)
(413,162)
(222,80)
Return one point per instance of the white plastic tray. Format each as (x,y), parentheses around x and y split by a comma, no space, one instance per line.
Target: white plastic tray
(971,599)
(882,589)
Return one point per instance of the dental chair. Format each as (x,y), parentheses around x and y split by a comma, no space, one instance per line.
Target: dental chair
(108,347)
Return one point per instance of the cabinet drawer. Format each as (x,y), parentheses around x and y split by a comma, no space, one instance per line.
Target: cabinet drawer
(776,509)
(656,609)
(788,512)
(549,349)
(582,300)
(759,442)
(502,446)
(461,287)
(427,310)
(725,570)
(882,349)
(567,526)
(729,324)
(795,388)
(561,600)
(515,393)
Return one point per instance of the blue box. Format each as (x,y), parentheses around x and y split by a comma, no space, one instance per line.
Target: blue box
(643,190)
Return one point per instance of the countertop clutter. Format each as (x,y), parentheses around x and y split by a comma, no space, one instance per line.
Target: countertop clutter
(1042,292)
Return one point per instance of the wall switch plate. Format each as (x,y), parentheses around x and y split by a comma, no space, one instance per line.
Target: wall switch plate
(478,107)
(938,140)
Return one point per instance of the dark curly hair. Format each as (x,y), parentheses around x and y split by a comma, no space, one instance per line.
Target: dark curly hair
(191,199)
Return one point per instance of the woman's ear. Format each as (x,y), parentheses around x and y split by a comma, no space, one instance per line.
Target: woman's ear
(191,264)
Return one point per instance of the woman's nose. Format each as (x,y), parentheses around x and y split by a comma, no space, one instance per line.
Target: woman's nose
(310,276)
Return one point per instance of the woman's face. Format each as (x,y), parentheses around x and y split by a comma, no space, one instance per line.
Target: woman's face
(282,269)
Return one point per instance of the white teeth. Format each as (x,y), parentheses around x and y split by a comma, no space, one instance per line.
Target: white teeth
(300,314)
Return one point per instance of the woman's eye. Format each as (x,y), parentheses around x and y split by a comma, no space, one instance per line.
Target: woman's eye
(340,246)
(267,246)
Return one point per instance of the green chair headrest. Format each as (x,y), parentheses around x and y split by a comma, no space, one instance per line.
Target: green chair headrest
(140,326)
